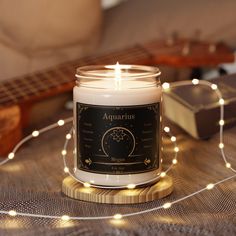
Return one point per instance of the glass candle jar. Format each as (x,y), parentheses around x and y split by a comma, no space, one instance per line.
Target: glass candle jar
(117,120)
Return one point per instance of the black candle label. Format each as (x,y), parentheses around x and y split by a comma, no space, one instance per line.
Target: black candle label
(118,139)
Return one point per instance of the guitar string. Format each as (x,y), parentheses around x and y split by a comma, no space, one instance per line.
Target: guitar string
(149,47)
(15,95)
(99,58)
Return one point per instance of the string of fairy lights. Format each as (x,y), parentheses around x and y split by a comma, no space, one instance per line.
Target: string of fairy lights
(118,216)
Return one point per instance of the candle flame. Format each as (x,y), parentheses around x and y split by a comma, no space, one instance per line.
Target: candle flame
(117,76)
(117,71)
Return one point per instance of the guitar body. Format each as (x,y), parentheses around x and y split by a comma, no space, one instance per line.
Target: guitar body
(10,128)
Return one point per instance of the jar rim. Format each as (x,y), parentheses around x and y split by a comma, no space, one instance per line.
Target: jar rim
(132,72)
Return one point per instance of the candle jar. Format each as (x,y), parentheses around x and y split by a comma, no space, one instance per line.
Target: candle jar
(117,121)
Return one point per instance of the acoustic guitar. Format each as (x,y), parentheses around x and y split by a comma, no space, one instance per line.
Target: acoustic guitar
(19,94)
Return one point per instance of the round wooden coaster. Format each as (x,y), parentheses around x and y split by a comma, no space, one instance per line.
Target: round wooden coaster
(76,190)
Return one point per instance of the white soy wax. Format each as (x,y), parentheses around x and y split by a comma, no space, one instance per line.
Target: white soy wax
(117,111)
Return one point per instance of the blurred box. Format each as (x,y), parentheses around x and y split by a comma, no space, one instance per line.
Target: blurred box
(196,109)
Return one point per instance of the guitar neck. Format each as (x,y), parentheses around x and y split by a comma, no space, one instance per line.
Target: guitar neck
(60,79)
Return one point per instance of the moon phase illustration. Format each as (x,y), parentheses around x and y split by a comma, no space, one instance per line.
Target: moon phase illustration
(118,142)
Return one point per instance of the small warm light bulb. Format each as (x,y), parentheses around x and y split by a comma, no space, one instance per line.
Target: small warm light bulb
(173,138)
(214,86)
(222,101)
(167,129)
(176,149)
(87,185)
(221,122)
(221,145)
(12,213)
(68,136)
(174,161)
(131,186)
(210,186)
(167,205)
(66,169)
(163,174)
(65,217)
(195,81)
(117,216)
(165,86)
(11,155)
(228,165)
(61,122)
(35,133)
(63,152)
